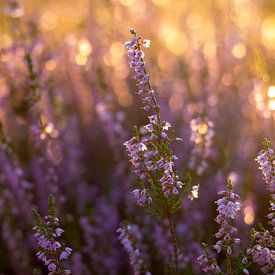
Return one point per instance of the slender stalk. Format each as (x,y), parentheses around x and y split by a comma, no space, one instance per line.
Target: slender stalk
(228,265)
(174,241)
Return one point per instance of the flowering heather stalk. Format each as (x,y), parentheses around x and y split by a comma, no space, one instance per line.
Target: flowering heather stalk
(266,161)
(202,136)
(228,207)
(130,237)
(208,263)
(149,150)
(47,233)
(263,252)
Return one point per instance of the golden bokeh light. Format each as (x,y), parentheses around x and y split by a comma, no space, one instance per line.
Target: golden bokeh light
(271,104)
(84,47)
(48,21)
(202,128)
(194,21)
(5,41)
(268,32)
(249,215)
(174,39)
(117,50)
(210,49)
(127,3)
(50,65)
(80,59)
(49,128)
(271,91)
(160,2)
(239,51)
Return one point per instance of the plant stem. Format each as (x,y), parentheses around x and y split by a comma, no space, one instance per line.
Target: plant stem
(174,241)
(228,265)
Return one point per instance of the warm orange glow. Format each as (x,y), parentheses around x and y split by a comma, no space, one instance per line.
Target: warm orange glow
(80,59)
(271,104)
(160,2)
(84,47)
(50,65)
(202,128)
(268,32)
(194,21)
(239,51)
(49,128)
(271,91)
(48,21)
(5,41)
(127,2)
(174,39)
(249,215)
(117,50)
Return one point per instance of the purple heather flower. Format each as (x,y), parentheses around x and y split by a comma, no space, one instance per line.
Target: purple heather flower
(65,254)
(52,267)
(130,237)
(266,161)
(47,234)
(142,197)
(149,149)
(263,253)
(228,208)
(208,264)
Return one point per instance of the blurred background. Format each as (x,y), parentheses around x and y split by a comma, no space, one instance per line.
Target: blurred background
(68,103)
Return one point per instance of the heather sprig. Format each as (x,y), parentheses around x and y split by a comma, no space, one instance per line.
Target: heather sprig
(266,161)
(207,263)
(131,238)
(228,207)
(52,251)
(150,149)
(263,250)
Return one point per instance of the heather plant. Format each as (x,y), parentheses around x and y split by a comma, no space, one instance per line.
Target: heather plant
(52,251)
(160,188)
(131,239)
(228,207)
(262,250)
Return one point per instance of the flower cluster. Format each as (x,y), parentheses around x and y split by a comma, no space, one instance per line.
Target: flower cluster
(48,233)
(138,64)
(202,136)
(266,161)
(142,197)
(263,252)
(228,208)
(263,256)
(130,237)
(208,263)
(149,150)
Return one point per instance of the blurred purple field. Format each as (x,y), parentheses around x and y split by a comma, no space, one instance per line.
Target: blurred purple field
(141,152)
